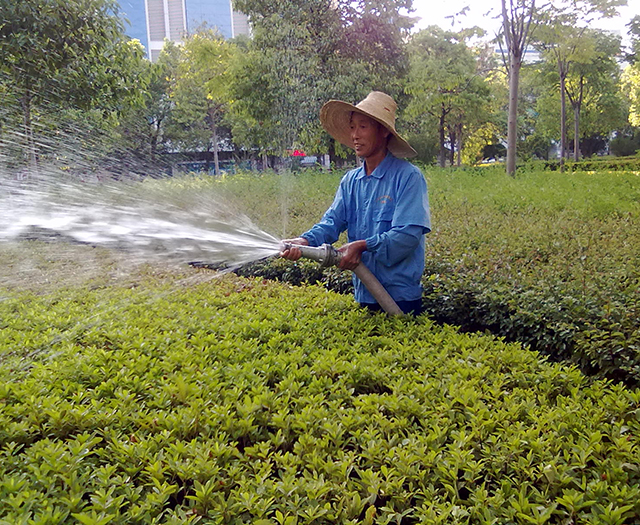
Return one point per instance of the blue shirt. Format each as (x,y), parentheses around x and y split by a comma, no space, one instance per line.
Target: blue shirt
(389,209)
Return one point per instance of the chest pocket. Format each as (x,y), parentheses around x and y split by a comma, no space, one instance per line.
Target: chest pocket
(384,213)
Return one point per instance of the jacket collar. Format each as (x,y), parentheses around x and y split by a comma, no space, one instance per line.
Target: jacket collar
(380,170)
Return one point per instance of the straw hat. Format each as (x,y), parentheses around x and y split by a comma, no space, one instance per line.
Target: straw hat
(335,117)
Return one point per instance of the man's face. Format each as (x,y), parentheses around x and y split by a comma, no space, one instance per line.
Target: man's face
(368,136)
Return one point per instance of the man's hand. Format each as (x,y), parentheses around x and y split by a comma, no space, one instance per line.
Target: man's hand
(293,254)
(352,254)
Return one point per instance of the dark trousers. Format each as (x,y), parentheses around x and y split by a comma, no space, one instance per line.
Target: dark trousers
(408,307)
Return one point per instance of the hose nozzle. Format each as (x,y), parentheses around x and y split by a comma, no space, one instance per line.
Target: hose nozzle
(326,254)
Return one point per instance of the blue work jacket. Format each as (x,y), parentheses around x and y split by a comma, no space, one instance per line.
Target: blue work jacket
(389,209)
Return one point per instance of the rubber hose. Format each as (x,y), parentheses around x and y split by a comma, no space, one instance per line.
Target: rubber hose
(377,290)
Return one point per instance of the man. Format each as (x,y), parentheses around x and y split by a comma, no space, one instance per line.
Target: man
(383,205)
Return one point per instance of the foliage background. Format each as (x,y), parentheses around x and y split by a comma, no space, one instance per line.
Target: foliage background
(256,99)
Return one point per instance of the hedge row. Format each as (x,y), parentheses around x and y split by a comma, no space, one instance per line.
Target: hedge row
(246,401)
(548,321)
(598,164)
(547,259)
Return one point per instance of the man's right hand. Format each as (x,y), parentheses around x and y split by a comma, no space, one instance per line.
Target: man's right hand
(293,253)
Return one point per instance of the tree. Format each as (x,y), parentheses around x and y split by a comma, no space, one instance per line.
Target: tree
(563,46)
(306,52)
(634,33)
(375,35)
(534,139)
(63,52)
(517,20)
(158,102)
(631,75)
(602,108)
(563,35)
(592,79)
(631,88)
(521,19)
(201,91)
(251,116)
(445,84)
(140,131)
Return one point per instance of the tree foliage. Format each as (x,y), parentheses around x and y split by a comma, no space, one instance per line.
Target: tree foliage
(66,69)
(307,52)
(631,87)
(447,90)
(634,32)
(67,52)
(201,92)
(564,37)
(586,75)
(557,23)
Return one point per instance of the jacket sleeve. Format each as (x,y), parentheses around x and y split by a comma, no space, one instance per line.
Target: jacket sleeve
(395,245)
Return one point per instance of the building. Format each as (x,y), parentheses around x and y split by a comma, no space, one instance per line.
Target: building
(153,21)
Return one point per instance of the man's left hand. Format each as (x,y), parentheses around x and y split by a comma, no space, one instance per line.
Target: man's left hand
(352,254)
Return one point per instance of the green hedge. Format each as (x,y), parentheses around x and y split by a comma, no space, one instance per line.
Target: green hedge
(598,164)
(547,259)
(605,344)
(548,321)
(248,401)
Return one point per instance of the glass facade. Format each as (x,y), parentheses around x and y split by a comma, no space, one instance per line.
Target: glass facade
(135,23)
(214,13)
(153,21)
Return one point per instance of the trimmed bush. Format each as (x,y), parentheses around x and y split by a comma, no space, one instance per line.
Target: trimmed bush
(248,401)
(598,164)
(546,259)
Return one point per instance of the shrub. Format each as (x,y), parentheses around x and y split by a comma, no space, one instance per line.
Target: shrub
(542,259)
(241,400)
(598,164)
(625,146)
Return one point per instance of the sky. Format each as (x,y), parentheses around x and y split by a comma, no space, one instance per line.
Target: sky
(483,12)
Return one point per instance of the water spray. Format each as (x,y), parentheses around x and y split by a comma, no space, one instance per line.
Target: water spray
(327,256)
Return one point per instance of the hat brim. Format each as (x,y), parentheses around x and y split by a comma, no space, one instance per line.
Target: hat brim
(335,118)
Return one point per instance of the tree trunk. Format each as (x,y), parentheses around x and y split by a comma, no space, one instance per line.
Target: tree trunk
(515,63)
(459,149)
(453,140)
(332,152)
(576,132)
(516,25)
(214,139)
(155,136)
(216,156)
(577,107)
(441,154)
(563,122)
(30,145)
(153,146)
